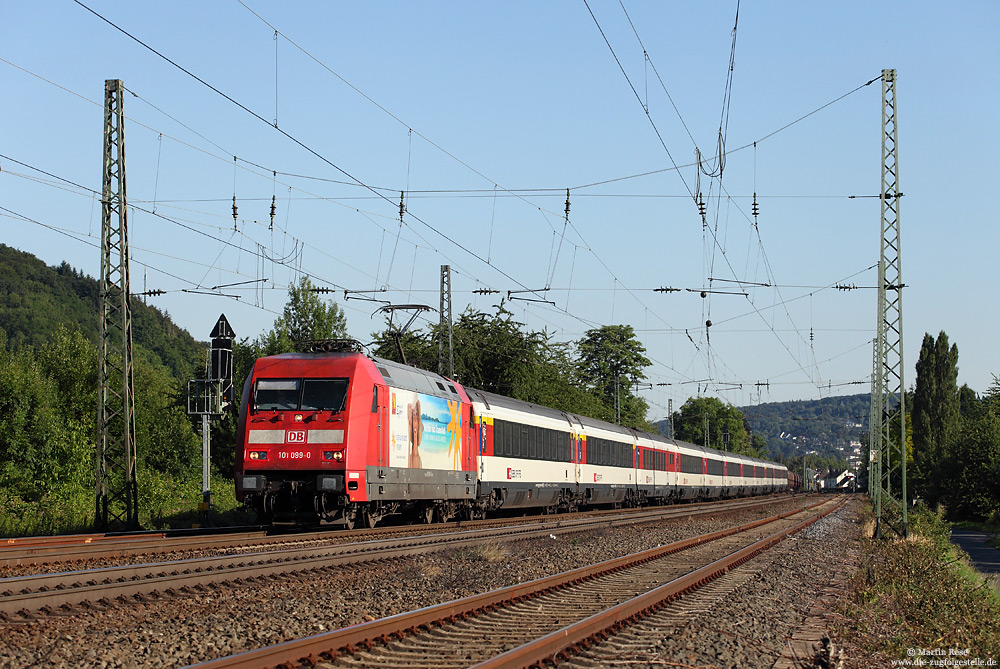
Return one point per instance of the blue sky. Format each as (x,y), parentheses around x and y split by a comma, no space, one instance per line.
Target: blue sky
(484,114)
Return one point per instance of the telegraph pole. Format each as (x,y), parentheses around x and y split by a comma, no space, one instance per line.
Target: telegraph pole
(887,438)
(117,505)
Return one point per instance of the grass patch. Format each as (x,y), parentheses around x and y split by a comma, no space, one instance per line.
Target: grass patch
(164,503)
(918,593)
(487,552)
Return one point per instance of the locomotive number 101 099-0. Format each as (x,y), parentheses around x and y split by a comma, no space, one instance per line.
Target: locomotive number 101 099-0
(294,455)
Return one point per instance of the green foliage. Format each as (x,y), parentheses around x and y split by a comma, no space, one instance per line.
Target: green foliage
(306,317)
(934,413)
(699,414)
(820,464)
(494,353)
(611,361)
(165,438)
(68,507)
(554,385)
(917,593)
(48,401)
(47,435)
(37,447)
(418,348)
(971,475)
(36,299)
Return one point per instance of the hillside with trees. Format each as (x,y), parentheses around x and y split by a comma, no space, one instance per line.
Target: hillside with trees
(48,401)
(36,299)
(826,426)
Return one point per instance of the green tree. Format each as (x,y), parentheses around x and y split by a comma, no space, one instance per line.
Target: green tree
(306,316)
(610,363)
(164,435)
(934,414)
(494,353)
(419,347)
(30,430)
(972,491)
(707,420)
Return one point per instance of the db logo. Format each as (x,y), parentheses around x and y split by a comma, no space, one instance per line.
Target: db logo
(295,437)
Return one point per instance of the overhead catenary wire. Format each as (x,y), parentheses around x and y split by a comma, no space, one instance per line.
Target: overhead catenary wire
(501,194)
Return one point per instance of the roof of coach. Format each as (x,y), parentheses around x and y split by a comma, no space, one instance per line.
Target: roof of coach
(587,421)
(493,400)
(418,380)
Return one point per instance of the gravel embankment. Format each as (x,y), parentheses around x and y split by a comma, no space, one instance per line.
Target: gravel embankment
(757,615)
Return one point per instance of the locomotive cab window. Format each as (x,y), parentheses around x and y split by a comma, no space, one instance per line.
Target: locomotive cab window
(324,394)
(300,394)
(276,395)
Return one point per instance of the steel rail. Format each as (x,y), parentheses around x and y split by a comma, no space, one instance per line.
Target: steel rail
(559,645)
(27,551)
(49,592)
(310,650)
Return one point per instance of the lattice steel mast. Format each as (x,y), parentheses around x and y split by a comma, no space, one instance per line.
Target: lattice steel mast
(117,489)
(888,407)
(445,325)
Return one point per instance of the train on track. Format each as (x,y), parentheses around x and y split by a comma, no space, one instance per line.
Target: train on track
(344,438)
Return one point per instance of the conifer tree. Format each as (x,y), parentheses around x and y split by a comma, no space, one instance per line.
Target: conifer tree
(934,414)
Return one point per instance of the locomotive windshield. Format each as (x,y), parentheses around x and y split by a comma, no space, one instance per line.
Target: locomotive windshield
(300,394)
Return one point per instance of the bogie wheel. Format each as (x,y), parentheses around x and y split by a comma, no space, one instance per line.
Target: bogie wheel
(350,517)
(368,518)
(428,514)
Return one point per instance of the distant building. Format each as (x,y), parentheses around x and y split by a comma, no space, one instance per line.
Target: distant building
(834,479)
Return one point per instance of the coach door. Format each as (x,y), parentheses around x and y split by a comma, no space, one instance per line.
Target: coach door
(375,430)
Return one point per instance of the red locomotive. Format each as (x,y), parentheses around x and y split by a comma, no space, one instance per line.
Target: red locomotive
(343,438)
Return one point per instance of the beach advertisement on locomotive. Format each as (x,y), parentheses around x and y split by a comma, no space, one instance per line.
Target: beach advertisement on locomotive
(425,431)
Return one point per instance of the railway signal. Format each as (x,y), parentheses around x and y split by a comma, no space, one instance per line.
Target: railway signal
(209,397)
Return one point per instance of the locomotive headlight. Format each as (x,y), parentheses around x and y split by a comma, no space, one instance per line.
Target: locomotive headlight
(258,455)
(333,455)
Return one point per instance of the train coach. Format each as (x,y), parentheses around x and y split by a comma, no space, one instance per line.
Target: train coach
(338,437)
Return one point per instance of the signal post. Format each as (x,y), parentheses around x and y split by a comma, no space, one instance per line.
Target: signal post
(209,397)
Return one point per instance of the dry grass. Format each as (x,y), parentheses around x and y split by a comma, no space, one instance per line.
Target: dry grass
(486,552)
(917,592)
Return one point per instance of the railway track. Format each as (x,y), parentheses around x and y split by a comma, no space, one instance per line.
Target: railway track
(550,619)
(25,552)
(27,597)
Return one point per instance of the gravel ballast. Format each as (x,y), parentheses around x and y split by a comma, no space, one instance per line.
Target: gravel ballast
(754,620)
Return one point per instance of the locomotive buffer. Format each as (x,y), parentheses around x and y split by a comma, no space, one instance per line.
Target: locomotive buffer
(209,397)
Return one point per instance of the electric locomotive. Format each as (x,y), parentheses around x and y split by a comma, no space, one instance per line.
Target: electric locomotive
(345,439)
